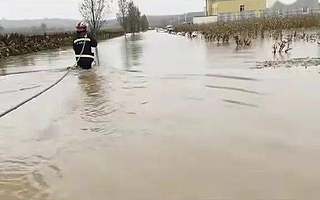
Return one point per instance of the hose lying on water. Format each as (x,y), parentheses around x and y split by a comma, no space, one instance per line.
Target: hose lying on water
(46,89)
(33,71)
(34,96)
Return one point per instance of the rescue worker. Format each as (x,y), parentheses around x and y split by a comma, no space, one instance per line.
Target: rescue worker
(83,45)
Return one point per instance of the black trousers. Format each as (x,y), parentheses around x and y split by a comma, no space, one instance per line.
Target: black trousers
(85,63)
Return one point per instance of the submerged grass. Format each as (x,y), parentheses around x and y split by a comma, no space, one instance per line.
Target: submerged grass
(244,30)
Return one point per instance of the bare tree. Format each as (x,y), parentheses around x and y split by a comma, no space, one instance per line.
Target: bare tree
(122,16)
(94,12)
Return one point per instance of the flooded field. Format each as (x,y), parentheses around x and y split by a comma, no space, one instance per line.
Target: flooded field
(162,117)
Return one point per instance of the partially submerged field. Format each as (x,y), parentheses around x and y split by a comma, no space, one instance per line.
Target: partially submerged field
(244,32)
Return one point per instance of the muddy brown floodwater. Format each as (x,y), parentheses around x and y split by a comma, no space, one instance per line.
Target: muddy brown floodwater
(163,117)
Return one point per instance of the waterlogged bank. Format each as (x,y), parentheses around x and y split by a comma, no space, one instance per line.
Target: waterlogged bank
(163,117)
(18,44)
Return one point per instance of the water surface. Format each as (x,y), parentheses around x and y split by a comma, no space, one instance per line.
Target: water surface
(162,117)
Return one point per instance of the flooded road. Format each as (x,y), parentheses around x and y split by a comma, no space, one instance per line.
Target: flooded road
(163,117)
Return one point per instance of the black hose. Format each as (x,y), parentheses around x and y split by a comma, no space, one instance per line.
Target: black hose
(43,91)
(33,71)
(34,96)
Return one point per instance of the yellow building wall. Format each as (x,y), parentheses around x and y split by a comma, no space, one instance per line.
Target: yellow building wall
(233,6)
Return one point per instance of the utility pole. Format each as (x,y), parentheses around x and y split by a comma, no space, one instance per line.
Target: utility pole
(206,13)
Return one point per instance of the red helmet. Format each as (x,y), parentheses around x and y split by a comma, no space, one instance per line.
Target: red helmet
(82,27)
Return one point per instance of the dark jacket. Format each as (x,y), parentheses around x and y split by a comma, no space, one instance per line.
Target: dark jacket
(82,47)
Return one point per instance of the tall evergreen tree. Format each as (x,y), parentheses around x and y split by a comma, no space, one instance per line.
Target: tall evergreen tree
(144,23)
(134,16)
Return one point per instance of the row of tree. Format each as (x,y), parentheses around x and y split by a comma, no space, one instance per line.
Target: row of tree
(130,18)
(34,29)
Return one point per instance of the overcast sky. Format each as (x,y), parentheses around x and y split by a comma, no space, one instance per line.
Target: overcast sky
(31,9)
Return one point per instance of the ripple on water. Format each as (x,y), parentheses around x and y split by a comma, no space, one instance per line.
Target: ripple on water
(20,90)
(96,103)
(240,103)
(20,179)
(233,89)
(232,77)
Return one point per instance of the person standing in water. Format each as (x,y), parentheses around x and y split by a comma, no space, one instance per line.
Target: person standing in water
(83,45)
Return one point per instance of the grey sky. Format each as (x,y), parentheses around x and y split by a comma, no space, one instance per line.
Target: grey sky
(30,9)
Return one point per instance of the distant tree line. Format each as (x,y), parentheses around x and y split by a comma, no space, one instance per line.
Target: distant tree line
(130,18)
(32,30)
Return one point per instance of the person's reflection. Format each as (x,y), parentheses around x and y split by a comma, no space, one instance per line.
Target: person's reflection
(96,106)
(17,61)
(132,51)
